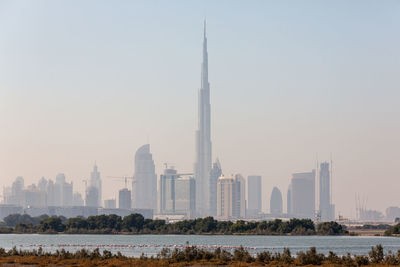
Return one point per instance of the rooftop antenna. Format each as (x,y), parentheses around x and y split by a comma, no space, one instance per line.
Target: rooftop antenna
(205,26)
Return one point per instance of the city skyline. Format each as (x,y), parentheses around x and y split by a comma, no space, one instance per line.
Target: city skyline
(177,196)
(62,121)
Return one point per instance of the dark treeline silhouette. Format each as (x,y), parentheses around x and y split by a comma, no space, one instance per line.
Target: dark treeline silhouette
(373,227)
(393,230)
(192,255)
(137,224)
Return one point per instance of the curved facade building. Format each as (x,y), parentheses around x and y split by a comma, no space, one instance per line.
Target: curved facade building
(276,201)
(145,180)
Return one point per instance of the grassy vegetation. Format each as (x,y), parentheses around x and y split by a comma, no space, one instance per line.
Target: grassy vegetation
(191,256)
(136,224)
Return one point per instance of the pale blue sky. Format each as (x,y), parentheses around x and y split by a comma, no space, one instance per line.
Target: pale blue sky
(93,80)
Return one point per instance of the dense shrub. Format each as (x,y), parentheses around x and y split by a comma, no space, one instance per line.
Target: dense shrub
(14,219)
(394,230)
(376,254)
(310,257)
(52,224)
(331,228)
(137,224)
(192,255)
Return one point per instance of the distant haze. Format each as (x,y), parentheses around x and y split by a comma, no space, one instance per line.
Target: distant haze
(291,81)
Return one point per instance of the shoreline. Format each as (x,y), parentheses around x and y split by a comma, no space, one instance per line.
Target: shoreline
(355,233)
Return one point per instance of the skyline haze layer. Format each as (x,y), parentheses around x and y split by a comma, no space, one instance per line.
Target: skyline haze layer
(291,83)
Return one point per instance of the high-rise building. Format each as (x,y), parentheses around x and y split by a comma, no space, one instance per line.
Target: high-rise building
(276,202)
(58,189)
(67,194)
(145,180)
(253,194)
(63,191)
(92,197)
(110,204)
(17,187)
(326,208)
(124,199)
(185,196)
(203,139)
(392,213)
(302,195)
(95,181)
(7,195)
(60,178)
(231,202)
(33,197)
(51,193)
(216,172)
(289,200)
(77,200)
(225,196)
(42,184)
(167,191)
(177,194)
(239,206)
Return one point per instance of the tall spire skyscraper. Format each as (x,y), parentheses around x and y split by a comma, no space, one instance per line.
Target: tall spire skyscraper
(203,139)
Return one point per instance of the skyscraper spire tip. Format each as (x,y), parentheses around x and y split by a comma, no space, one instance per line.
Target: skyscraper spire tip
(205,24)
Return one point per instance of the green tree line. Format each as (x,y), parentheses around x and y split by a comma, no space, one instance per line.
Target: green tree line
(137,224)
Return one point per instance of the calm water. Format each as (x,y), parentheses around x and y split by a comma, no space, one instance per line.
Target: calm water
(134,245)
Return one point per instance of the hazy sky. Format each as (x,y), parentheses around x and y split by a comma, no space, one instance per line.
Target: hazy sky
(94,80)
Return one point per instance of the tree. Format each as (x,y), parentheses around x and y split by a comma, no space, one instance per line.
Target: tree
(206,225)
(154,224)
(133,222)
(330,228)
(12,219)
(52,224)
(114,222)
(24,228)
(77,223)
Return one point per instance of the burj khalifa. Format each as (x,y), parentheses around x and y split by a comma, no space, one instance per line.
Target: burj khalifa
(203,139)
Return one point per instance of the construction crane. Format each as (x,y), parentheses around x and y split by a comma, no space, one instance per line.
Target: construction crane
(125,179)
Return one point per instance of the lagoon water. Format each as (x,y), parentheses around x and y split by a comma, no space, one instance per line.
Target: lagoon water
(135,245)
